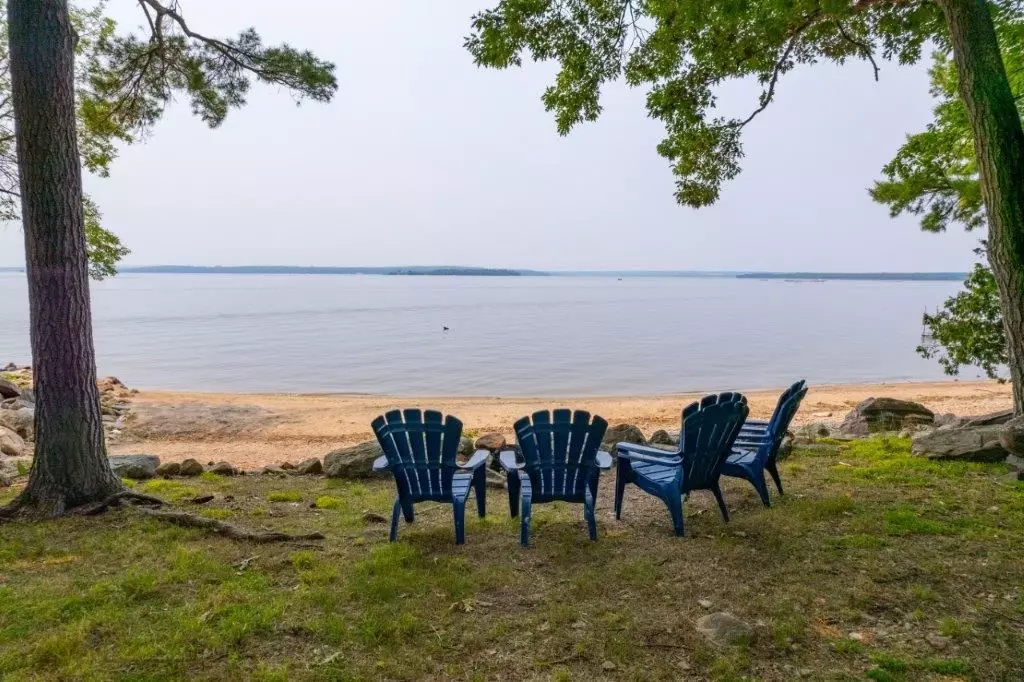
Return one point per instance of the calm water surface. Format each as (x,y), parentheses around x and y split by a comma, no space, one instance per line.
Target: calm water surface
(508,336)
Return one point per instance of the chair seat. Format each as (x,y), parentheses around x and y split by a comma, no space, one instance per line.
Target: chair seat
(657,473)
(462,483)
(741,457)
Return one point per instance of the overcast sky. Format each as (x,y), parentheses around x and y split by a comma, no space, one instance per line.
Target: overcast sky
(423,158)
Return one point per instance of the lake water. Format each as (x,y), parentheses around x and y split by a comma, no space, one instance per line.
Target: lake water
(507,335)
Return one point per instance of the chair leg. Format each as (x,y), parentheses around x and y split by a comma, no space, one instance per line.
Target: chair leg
(513,493)
(459,511)
(773,469)
(524,523)
(480,486)
(394,520)
(762,489)
(622,472)
(717,492)
(588,514)
(674,502)
(407,511)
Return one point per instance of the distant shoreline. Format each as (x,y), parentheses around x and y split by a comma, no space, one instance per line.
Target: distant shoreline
(464,271)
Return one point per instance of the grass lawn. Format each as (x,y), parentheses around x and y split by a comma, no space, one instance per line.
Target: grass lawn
(875,565)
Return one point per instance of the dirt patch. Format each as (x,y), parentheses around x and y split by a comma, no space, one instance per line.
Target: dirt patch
(200,420)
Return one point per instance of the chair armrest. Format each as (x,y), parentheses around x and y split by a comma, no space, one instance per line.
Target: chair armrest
(507,459)
(604,459)
(381,463)
(646,450)
(478,459)
(638,453)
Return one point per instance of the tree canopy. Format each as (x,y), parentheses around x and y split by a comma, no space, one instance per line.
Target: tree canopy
(680,52)
(123,84)
(934,175)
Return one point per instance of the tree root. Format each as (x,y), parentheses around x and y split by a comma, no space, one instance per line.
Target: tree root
(232,531)
(117,498)
(147,504)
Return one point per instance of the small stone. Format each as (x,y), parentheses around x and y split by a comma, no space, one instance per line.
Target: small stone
(373,517)
(169,469)
(9,389)
(224,469)
(661,437)
(857,636)
(608,665)
(21,421)
(466,448)
(938,642)
(494,442)
(309,467)
(274,470)
(287,465)
(11,443)
(706,603)
(622,433)
(190,467)
(723,628)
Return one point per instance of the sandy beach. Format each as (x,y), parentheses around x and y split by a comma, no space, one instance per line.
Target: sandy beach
(252,430)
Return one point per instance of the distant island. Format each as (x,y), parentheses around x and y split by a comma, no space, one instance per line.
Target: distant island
(471,271)
(435,270)
(465,272)
(885,276)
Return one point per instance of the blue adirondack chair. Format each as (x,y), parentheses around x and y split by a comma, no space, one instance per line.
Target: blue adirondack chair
(759,426)
(562,463)
(755,452)
(419,450)
(708,431)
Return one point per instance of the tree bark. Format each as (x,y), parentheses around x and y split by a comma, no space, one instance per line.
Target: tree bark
(70,466)
(999,144)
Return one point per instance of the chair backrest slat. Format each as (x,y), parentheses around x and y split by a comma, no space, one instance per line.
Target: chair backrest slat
(779,425)
(707,437)
(420,448)
(560,450)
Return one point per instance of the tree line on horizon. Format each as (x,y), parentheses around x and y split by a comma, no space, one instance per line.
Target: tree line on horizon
(966,168)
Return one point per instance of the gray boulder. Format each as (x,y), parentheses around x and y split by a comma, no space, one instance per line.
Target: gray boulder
(875,415)
(972,443)
(724,629)
(990,419)
(1011,436)
(9,389)
(22,421)
(353,462)
(191,467)
(11,443)
(948,419)
(308,467)
(135,467)
(622,433)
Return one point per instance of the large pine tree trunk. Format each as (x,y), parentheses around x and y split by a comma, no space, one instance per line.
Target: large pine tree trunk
(70,466)
(999,144)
